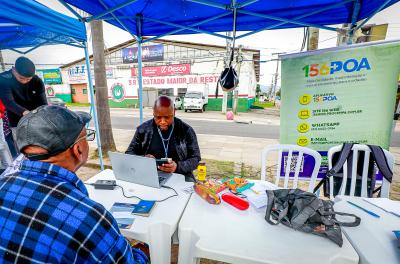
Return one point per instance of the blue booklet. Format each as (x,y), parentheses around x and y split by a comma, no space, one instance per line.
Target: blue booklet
(143,208)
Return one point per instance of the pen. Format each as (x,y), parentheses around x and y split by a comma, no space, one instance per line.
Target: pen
(365,210)
(254,191)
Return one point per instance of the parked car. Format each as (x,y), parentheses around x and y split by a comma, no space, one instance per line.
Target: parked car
(52,100)
(196,98)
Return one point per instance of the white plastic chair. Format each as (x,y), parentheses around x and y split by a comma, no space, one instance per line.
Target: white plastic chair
(290,149)
(364,177)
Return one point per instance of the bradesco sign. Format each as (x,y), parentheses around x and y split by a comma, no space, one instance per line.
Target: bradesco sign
(174,69)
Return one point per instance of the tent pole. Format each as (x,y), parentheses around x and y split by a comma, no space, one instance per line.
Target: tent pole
(93,107)
(110,10)
(354,19)
(139,39)
(373,14)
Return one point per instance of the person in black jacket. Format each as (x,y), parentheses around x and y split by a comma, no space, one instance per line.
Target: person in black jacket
(166,136)
(21,90)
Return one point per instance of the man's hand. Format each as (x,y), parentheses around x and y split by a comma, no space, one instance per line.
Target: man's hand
(149,156)
(168,167)
(25,112)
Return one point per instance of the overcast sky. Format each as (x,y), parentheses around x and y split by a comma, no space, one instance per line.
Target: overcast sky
(287,40)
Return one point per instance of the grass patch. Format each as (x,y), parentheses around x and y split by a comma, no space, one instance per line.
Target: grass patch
(218,169)
(78,104)
(264,104)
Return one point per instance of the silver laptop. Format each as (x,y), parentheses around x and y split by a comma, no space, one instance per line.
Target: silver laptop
(137,169)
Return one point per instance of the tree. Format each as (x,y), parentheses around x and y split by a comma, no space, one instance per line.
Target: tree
(278,93)
(258,90)
(103,109)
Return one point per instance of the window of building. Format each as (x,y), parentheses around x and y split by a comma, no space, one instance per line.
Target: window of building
(84,91)
(73,91)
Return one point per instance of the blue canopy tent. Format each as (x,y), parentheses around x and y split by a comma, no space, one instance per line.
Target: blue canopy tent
(29,24)
(158,18)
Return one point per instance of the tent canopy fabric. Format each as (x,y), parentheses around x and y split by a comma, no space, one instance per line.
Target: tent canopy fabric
(27,23)
(164,16)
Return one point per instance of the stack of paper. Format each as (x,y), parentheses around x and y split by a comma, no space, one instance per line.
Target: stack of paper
(385,204)
(257,195)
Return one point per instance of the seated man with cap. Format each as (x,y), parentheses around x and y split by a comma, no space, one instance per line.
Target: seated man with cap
(21,91)
(166,136)
(46,215)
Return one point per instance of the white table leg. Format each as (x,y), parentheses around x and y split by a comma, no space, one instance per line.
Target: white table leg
(160,243)
(187,247)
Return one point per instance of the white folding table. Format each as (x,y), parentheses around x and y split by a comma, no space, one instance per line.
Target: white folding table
(373,239)
(224,233)
(157,229)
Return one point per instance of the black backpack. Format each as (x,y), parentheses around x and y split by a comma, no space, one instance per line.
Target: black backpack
(303,211)
(378,157)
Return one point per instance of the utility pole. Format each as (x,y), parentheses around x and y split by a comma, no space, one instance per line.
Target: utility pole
(313,36)
(103,109)
(239,61)
(226,64)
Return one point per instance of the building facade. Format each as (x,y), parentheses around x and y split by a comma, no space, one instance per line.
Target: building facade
(169,68)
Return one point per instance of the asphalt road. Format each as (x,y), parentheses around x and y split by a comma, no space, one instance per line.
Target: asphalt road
(223,128)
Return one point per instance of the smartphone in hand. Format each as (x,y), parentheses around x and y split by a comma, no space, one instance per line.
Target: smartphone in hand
(162,161)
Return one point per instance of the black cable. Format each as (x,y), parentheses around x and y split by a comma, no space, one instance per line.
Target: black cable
(137,197)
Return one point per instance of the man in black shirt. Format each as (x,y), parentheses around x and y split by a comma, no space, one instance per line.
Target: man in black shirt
(21,90)
(166,136)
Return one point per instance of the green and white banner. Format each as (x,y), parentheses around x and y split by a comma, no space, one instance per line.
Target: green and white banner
(340,95)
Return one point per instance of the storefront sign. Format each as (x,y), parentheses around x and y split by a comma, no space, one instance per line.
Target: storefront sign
(341,95)
(50,76)
(77,74)
(149,53)
(174,69)
(184,81)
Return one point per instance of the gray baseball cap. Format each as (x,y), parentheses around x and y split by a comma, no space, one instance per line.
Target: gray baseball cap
(51,127)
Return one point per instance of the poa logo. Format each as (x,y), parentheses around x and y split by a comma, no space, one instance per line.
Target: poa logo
(118,92)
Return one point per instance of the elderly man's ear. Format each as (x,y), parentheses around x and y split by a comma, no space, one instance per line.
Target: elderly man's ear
(77,152)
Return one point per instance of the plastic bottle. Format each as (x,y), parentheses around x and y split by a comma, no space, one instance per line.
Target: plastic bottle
(201,171)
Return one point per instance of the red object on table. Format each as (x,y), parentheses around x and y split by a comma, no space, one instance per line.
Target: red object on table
(235,201)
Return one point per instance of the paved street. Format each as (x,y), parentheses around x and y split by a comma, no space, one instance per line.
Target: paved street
(214,123)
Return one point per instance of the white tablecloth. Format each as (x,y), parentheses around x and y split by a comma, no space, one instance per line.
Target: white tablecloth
(224,233)
(373,239)
(157,229)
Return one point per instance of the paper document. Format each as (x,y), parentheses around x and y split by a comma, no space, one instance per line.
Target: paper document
(257,195)
(385,204)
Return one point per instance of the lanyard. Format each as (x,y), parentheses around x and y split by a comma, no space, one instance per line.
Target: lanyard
(163,139)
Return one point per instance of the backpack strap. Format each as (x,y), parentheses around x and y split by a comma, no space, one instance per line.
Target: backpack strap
(270,203)
(356,222)
(381,161)
(344,154)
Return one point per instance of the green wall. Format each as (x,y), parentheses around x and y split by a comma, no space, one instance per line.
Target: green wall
(127,103)
(214,104)
(65,97)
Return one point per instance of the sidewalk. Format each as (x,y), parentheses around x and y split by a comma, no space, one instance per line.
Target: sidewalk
(223,148)
(259,117)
